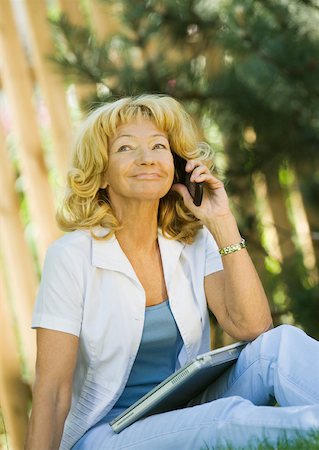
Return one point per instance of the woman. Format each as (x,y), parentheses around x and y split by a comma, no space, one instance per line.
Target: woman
(124,299)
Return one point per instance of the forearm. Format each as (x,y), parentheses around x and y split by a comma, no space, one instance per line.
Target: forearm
(245,301)
(46,422)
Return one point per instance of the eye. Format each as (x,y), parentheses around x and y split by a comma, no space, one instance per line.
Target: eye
(124,148)
(159,146)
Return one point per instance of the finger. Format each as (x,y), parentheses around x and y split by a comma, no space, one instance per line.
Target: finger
(199,170)
(213,182)
(191,164)
(201,178)
(210,181)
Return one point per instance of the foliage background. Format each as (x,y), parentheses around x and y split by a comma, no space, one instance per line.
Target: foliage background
(248,71)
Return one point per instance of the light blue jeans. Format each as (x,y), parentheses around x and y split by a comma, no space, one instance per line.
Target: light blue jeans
(281,365)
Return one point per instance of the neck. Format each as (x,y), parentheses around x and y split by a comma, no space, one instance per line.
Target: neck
(139,232)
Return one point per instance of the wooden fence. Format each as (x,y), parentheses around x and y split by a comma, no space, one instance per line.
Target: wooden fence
(34,98)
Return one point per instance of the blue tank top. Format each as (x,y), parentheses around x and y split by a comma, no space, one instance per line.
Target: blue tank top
(156,358)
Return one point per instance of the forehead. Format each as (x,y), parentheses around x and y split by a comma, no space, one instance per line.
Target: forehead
(138,128)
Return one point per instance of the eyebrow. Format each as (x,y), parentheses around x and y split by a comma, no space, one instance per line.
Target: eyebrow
(131,135)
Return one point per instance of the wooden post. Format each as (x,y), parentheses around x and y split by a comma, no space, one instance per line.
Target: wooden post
(305,170)
(105,18)
(266,217)
(278,208)
(14,393)
(303,230)
(72,9)
(51,83)
(20,268)
(18,88)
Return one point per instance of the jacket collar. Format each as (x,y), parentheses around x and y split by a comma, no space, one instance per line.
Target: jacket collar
(109,255)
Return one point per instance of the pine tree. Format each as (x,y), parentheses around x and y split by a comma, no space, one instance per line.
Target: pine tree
(249,66)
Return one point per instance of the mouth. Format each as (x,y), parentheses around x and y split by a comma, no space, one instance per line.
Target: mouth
(147,176)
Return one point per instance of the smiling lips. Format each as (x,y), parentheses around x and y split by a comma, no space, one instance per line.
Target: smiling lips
(147,176)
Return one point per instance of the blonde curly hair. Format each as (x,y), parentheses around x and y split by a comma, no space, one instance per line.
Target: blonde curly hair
(86,205)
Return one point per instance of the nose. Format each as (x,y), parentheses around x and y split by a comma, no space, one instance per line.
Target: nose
(145,156)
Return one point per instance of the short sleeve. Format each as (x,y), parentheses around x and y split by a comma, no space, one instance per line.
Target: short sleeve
(213,262)
(59,302)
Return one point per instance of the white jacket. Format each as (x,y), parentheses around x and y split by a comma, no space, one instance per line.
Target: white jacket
(90,289)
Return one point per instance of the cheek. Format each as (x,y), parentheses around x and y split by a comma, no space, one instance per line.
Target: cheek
(169,163)
(113,173)
(171,175)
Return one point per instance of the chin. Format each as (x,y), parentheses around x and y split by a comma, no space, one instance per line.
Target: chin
(148,197)
(145,193)
(148,194)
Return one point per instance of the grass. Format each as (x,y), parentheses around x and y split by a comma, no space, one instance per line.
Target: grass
(311,442)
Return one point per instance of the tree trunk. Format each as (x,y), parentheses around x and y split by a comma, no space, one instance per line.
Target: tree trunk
(245,210)
(306,172)
(20,269)
(277,203)
(14,393)
(243,199)
(266,217)
(105,18)
(19,91)
(51,83)
(72,9)
(303,230)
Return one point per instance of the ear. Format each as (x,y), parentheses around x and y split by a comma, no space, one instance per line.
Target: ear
(104,183)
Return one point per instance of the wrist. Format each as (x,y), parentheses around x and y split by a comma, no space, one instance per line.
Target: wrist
(225,230)
(233,248)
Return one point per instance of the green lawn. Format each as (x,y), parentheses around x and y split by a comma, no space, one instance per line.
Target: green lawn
(301,443)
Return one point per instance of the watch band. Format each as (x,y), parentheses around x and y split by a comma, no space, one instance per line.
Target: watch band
(233,248)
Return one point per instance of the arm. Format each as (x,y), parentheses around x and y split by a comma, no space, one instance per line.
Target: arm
(56,360)
(235,295)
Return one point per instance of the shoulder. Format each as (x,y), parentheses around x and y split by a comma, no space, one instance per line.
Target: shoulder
(72,247)
(78,239)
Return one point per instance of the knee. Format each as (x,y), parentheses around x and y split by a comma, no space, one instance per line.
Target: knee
(280,331)
(278,343)
(227,407)
(281,338)
(285,331)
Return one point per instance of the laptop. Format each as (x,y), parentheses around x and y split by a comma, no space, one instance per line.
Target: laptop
(183,385)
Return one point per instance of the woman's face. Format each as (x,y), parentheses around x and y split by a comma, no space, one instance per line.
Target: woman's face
(140,162)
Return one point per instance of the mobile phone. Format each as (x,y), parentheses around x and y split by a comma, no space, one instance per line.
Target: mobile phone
(181,176)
